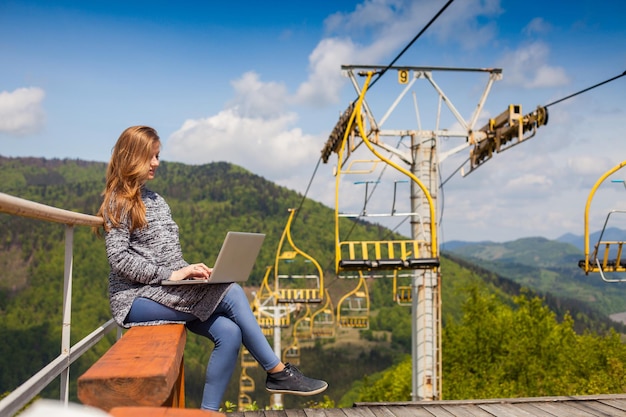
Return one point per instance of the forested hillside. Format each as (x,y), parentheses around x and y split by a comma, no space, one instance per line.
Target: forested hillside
(206,201)
(548,267)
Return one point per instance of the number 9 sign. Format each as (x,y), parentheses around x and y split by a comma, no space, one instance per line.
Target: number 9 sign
(403,76)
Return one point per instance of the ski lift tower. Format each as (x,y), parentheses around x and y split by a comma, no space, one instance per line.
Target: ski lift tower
(423,160)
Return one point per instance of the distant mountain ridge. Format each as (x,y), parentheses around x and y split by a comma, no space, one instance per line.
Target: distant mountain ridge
(547,266)
(578,241)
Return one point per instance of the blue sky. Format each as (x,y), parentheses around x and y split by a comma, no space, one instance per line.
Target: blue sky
(259,84)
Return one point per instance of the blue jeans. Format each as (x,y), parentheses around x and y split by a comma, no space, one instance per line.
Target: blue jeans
(229,326)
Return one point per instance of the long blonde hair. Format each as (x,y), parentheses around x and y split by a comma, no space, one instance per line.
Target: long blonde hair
(126,174)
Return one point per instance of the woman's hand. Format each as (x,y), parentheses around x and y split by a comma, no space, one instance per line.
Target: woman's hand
(193,271)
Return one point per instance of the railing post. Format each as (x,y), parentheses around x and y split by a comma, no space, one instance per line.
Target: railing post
(59,366)
(67,310)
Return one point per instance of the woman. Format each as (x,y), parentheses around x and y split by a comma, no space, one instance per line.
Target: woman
(143,248)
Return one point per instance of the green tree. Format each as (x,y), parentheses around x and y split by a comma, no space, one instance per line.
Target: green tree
(498,351)
(501,351)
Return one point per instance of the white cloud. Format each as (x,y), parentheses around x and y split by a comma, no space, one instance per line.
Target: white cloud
(254,98)
(395,22)
(537,26)
(588,166)
(271,147)
(466,23)
(325,81)
(528,67)
(533,185)
(21,112)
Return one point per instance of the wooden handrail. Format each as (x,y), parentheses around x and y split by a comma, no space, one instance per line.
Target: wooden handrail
(26,208)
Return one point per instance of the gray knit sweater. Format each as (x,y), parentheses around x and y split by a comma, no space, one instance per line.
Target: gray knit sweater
(140,260)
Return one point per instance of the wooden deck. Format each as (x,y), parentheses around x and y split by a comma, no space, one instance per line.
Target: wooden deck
(612,405)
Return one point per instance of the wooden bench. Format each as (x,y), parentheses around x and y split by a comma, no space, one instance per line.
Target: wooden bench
(143,368)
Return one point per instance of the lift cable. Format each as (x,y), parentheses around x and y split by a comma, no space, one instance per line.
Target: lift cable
(380,74)
(308,187)
(373,82)
(454,173)
(586,89)
(546,106)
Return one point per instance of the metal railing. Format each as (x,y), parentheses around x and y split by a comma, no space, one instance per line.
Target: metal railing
(60,366)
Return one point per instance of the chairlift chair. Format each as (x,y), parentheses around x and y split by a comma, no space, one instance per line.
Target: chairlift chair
(298,276)
(353,308)
(607,256)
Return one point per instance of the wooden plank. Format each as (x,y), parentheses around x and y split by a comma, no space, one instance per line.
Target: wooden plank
(334,412)
(162,412)
(255,413)
(619,404)
(598,408)
(467,411)
(535,409)
(359,412)
(315,412)
(409,411)
(437,411)
(561,409)
(508,410)
(143,368)
(380,411)
(274,413)
(297,412)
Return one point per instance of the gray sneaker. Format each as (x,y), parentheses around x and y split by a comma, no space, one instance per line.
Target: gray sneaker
(291,381)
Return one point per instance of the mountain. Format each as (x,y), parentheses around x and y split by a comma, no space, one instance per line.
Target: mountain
(611,233)
(578,241)
(547,266)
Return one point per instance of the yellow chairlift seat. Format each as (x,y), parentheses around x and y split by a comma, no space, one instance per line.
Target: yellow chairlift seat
(354,307)
(607,256)
(323,320)
(247,360)
(292,354)
(298,276)
(383,255)
(302,326)
(263,306)
(402,293)
(244,401)
(324,324)
(262,298)
(298,295)
(361,323)
(246,383)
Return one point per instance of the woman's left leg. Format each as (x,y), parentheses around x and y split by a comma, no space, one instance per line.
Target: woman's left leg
(236,307)
(231,324)
(281,378)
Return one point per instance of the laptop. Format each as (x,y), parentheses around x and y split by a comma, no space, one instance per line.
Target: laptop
(234,261)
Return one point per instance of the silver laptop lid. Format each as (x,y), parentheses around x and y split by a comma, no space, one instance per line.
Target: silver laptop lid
(236,257)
